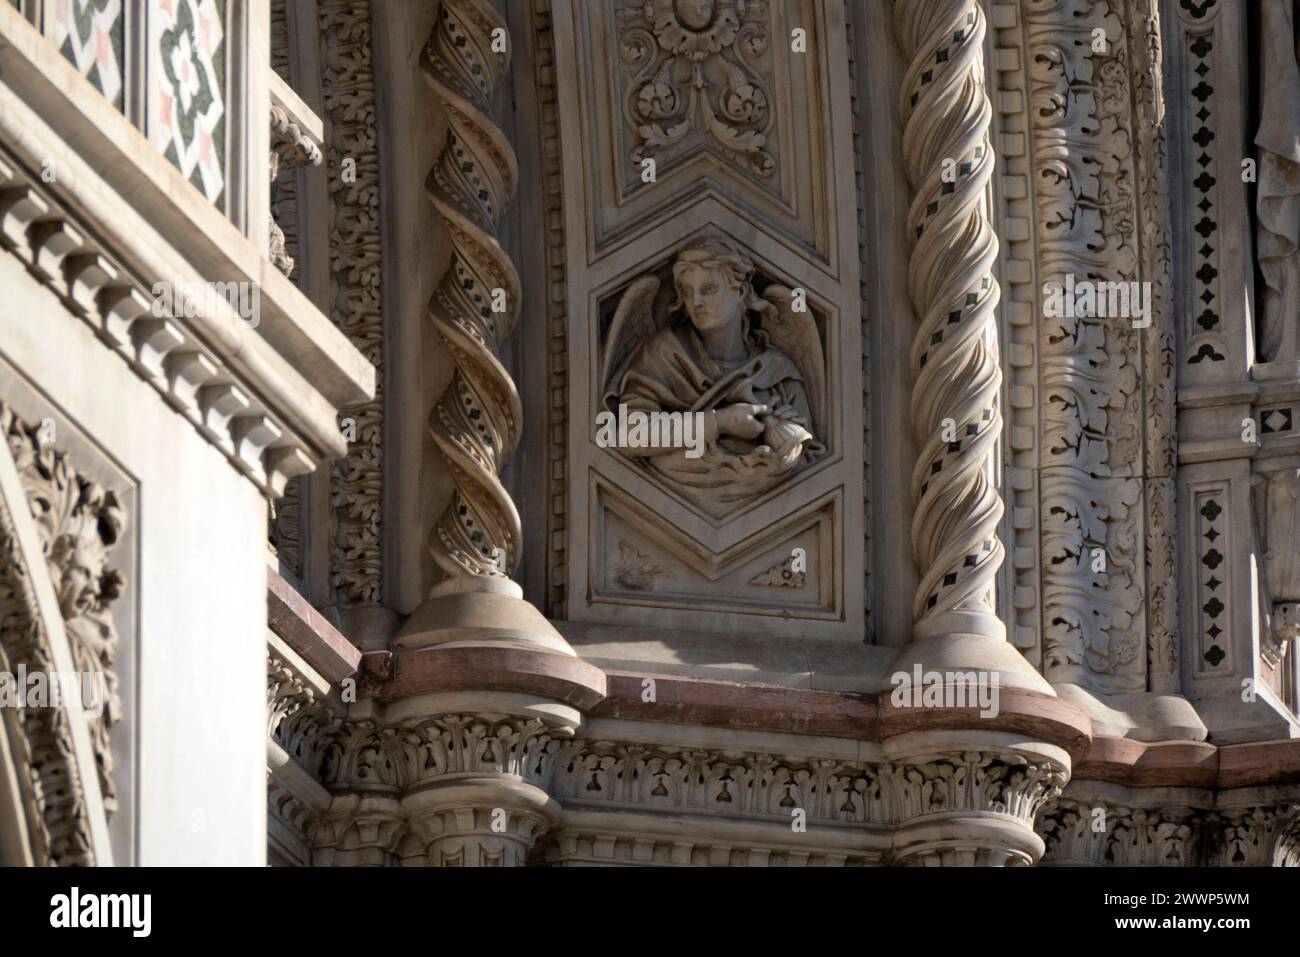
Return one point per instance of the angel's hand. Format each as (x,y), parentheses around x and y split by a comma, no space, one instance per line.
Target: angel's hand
(741,420)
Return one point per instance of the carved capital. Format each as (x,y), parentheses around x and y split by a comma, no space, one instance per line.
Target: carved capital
(976,808)
(1094,834)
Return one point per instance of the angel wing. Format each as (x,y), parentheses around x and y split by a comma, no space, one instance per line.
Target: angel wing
(634,320)
(795,334)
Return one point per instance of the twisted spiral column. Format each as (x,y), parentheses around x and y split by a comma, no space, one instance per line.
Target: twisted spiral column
(474,643)
(956,375)
(956,417)
(476,422)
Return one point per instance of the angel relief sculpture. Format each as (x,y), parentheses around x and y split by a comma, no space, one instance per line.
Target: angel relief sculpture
(748,370)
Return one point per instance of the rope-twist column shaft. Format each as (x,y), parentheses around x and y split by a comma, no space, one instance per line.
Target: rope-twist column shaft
(475,424)
(956,375)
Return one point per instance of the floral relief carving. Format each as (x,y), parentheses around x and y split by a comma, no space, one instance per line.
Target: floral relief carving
(785,575)
(1091,443)
(637,571)
(79,521)
(356,484)
(697,70)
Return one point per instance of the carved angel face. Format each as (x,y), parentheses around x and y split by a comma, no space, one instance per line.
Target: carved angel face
(711,297)
(696,14)
(695,29)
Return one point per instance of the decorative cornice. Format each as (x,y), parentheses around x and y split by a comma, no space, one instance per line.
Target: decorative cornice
(305,630)
(191,377)
(129,197)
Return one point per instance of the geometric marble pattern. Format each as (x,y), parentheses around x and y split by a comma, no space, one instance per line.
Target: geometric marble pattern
(89,34)
(187,91)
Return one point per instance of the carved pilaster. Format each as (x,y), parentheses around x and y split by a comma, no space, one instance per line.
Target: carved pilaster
(352,154)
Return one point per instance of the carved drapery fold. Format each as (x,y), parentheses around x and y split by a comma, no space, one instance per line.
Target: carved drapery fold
(1278,203)
(476,422)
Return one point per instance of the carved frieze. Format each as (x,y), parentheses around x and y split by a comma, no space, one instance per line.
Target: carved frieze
(847,808)
(1117,834)
(1080,833)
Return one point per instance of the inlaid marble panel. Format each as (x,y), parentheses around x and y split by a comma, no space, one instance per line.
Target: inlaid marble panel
(187,90)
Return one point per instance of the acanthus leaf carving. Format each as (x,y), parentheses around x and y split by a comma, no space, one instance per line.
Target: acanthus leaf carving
(79,522)
(696,70)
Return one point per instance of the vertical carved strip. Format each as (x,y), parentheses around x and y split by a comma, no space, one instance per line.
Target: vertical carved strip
(1161,445)
(356,481)
(476,422)
(860,121)
(956,375)
(1090,444)
(557,313)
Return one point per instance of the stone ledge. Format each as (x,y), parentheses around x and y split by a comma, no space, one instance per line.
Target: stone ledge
(741,706)
(418,671)
(1190,763)
(307,632)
